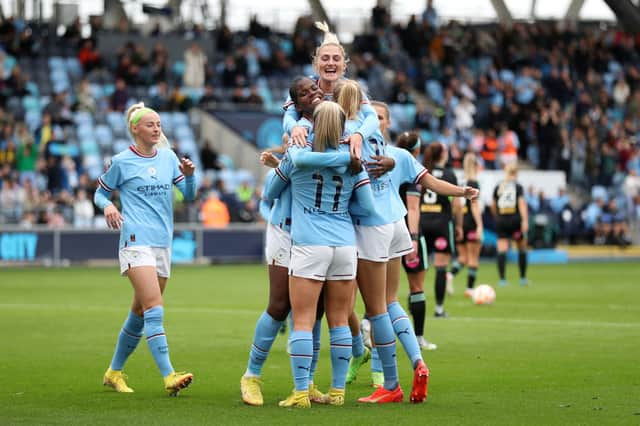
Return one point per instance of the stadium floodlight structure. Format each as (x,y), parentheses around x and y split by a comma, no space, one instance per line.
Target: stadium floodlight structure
(627,13)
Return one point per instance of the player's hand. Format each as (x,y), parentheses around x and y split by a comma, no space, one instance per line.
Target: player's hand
(524,228)
(471,193)
(381,165)
(113,217)
(355,166)
(299,136)
(355,145)
(480,233)
(187,167)
(269,160)
(412,258)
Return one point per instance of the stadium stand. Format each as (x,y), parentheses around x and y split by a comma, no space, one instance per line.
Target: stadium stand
(549,95)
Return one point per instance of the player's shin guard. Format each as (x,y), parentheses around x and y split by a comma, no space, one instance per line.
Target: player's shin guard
(456,267)
(441,284)
(266,331)
(156,339)
(357,344)
(340,338)
(301,344)
(385,342)
(317,334)
(471,276)
(417,306)
(522,263)
(376,364)
(404,331)
(502,263)
(128,340)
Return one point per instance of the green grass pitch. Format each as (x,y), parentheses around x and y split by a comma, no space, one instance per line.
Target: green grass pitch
(563,351)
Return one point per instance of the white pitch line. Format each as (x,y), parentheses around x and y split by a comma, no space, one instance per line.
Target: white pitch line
(247,312)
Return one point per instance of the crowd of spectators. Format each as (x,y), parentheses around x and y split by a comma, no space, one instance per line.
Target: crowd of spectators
(550,94)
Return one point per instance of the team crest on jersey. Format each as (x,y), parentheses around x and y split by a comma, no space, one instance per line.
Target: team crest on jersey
(152,172)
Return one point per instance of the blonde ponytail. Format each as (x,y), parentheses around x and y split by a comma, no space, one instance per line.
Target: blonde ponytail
(134,113)
(328,123)
(348,94)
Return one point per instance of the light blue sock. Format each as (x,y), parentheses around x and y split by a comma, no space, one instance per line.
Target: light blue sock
(317,333)
(385,340)
(376,365)
(128,340)
(301,345)
(357,346)
(266,331)
(157,340)
(404,331)
(340,338)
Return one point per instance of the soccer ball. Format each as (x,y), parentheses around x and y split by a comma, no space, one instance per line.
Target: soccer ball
(484,294)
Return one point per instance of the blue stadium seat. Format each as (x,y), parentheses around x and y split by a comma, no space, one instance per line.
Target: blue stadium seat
(178,68)
(120,145)
(73,67)
(59,76)
(56,63)
(228,176)
(33,119)
(32,88)
(89,147)
(104,135)
(109,89)
(183,132)
(434,91)
(166,119)
(598,191)
(31,103)
(116,120)
(180,118)
(226,161)
(97,91)
(83,118)
(9,63)
(243,175)
(85,131)
(93,164)
(193,93)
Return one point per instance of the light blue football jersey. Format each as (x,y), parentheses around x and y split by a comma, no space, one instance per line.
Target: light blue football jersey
(280,212)
(389,206)
(146,193)
(407,168)
(320,203)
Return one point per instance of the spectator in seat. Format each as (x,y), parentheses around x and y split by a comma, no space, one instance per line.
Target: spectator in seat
(214,212)
(89,57)
(209,99)
(209,157)
(120,96)
(254,97)
(59,109)
(489,151)
(195,62)
(83,211)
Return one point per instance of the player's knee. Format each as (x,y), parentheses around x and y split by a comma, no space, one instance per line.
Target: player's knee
(279,309)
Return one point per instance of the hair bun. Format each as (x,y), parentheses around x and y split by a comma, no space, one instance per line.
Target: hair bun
(329,37)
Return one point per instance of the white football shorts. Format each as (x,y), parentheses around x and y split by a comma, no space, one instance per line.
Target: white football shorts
(324,263)
(277,248)
(383,242)
(159,257)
